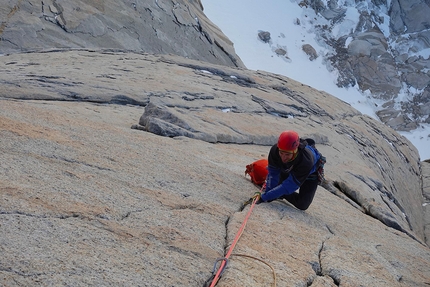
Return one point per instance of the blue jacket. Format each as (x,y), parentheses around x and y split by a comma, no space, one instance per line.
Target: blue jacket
(286,178)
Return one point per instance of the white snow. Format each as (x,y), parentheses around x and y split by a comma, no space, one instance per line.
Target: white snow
(290,27)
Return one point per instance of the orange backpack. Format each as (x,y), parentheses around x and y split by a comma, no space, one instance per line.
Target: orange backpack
(257,171)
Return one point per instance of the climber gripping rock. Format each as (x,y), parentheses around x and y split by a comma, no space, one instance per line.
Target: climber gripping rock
(295,168)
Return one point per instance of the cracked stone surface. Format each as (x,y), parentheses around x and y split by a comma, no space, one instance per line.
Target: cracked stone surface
(160,27)
(91,194)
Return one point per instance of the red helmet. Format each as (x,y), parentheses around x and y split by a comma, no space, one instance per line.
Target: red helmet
(289,141)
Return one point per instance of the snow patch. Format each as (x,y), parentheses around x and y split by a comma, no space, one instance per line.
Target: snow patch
(291,27)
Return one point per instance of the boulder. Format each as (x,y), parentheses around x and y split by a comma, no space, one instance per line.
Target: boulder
(310,51)
(409,16)
(378,77)
(418,80)
(264,36)
(371,43)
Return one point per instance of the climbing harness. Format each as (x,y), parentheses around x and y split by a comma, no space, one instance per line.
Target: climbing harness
(224,260)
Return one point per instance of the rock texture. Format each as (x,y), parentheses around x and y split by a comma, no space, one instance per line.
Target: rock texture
(165,27)
(127,169)
(426,192)
(375,61)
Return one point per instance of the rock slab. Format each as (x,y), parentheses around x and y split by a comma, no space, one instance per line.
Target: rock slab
(92,194)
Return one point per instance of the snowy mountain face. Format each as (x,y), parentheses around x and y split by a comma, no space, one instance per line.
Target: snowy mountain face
(373,55)
(383,47)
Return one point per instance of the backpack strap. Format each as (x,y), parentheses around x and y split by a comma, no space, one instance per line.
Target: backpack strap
(320,163)
(320,169)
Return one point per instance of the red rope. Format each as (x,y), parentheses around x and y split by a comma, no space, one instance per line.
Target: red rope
(236,239)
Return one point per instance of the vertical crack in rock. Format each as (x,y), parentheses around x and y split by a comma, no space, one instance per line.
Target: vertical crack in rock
(219,261)
(318,266)
(59,14)
(329,230)
(226,247)
(318,270)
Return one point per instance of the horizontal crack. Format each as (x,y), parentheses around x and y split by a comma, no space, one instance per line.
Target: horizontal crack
(24,274)
(62,216)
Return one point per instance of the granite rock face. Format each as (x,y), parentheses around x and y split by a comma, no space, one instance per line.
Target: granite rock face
(127,169)
(367,57)
(161,27)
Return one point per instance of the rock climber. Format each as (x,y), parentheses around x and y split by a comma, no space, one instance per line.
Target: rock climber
(294,164)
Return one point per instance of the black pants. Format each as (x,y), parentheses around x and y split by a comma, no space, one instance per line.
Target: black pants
(303,199)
